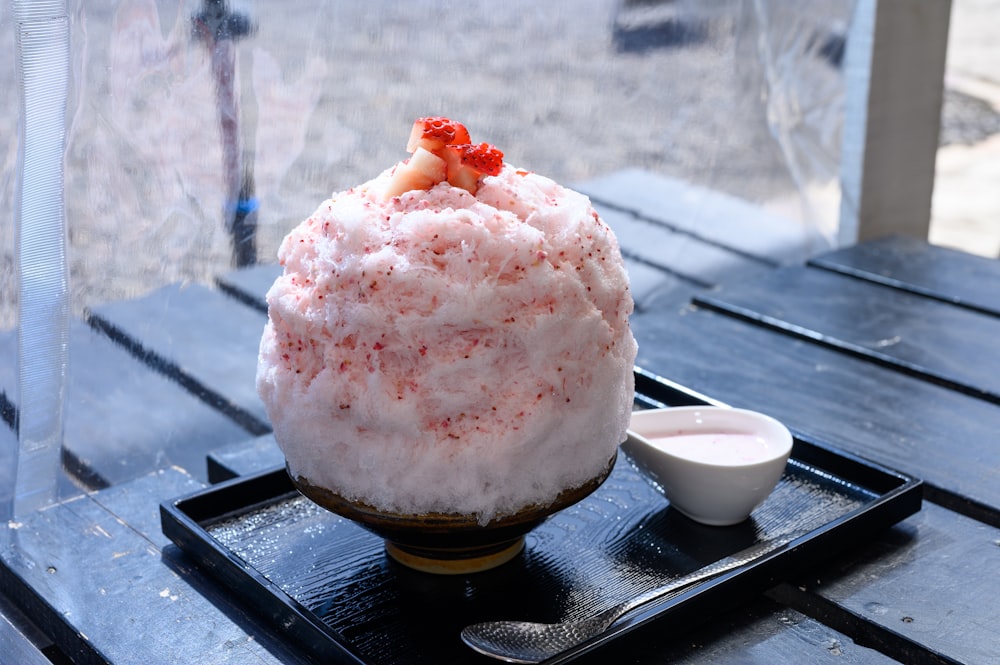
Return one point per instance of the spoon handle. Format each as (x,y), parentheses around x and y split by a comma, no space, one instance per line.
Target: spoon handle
(719,567)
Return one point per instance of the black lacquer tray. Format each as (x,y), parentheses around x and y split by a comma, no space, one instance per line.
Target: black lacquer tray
(328,585)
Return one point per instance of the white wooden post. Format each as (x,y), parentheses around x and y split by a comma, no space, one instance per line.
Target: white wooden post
(894,75)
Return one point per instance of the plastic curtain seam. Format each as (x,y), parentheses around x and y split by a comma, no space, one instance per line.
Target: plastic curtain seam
(42,44)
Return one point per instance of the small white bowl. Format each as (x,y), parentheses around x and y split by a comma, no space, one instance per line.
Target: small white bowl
(714,464)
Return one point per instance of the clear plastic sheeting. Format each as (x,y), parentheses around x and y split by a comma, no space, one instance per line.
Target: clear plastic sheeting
(199,133)
(740,96)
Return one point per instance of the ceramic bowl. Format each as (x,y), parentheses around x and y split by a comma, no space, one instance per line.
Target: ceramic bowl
(449,543)
(713,464)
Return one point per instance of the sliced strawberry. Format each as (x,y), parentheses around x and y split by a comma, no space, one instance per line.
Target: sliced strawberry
(421,171)
(460,175)
(466,163)
(442,150)
(485,158)
(435,132)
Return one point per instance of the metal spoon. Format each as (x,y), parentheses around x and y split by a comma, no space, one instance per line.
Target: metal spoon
(529,642)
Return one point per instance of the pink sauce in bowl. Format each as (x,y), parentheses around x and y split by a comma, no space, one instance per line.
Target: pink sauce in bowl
(713,464)
(724,448)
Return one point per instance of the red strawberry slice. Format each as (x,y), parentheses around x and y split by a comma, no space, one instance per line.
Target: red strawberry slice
(467,162)
(433,133)
(484,158)
(421,171)
(442,150)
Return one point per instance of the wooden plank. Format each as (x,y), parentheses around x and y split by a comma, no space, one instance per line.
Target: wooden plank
(914,265)
(646,281)
(937,341)
(762,633)
(108,593)
(710,216)
(199,337)
(824,395)
(244,458)
(680,255)
(933,580)
(122,419)
(250,285)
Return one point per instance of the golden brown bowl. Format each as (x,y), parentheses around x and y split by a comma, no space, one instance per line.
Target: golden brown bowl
(449,543)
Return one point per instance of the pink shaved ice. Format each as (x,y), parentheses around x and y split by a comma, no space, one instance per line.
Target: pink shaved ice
(444,352)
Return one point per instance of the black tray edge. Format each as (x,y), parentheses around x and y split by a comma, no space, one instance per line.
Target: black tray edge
(899,496)
(817,547)
(291,618)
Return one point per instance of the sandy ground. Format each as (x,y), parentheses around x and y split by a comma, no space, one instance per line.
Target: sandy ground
(966,207)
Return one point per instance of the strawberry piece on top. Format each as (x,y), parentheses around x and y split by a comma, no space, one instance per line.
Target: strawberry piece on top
(435,132)
(466,163)
(443,150)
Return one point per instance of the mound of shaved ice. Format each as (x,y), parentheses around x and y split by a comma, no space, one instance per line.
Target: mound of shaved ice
(440,351)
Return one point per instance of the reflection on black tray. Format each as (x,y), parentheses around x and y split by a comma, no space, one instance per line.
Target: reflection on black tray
(329,585)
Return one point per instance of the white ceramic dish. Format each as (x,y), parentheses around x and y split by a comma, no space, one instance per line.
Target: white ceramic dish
(713,464)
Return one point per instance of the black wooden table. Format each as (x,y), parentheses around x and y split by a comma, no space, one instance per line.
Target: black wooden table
(889,351)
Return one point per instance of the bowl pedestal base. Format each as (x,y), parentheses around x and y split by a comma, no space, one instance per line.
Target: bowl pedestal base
(449,543)
(455,561)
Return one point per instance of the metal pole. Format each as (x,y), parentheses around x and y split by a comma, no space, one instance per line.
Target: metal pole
(219,28)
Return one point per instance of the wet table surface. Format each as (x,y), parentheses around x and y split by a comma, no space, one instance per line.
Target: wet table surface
(889,351)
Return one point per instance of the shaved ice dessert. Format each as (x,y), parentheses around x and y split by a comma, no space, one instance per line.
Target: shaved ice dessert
(450,337)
